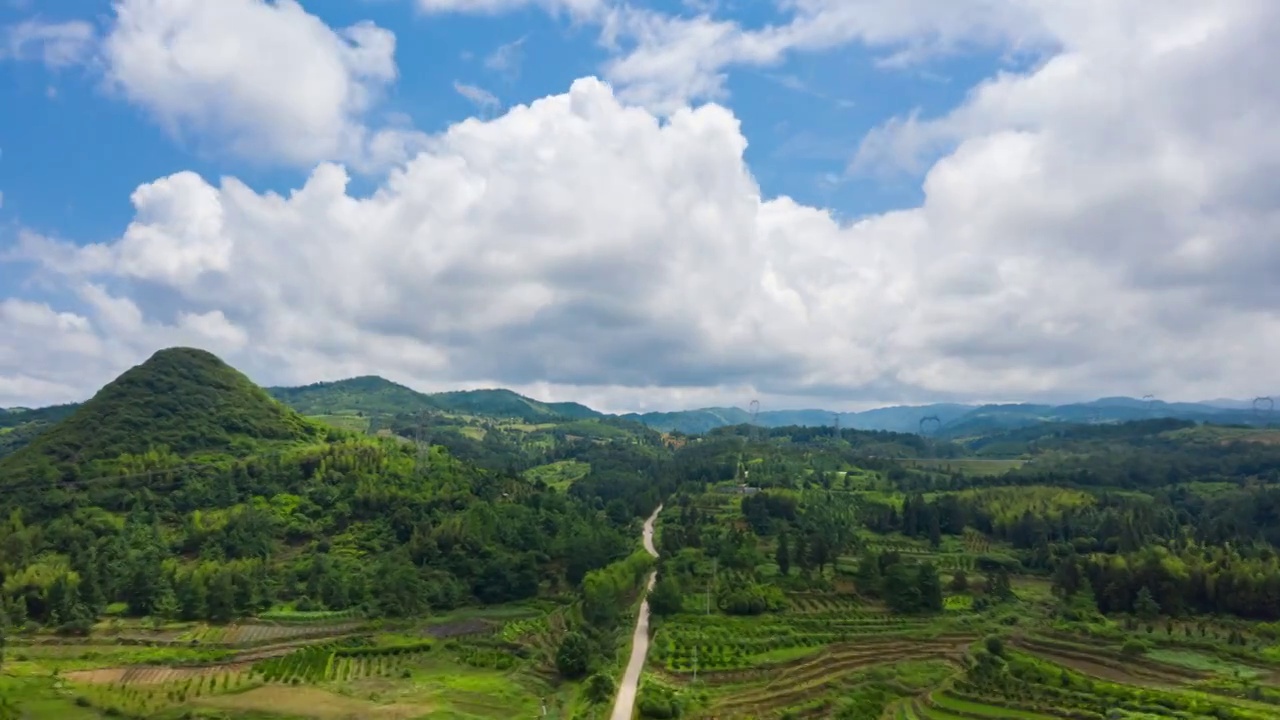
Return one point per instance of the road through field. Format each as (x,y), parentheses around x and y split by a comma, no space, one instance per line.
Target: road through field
(625,704)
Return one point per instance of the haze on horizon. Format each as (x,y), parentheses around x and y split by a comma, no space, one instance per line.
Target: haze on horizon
(839,205)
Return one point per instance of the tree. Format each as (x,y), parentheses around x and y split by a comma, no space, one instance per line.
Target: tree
(901,589)
(1145,605)
(600,688)
(868,577)
(783,554)
(999,587)
(930,587)
(574,655)
(666,598)
(4,628)
(959,582)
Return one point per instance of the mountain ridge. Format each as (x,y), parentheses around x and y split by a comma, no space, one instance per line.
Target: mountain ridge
(374,395)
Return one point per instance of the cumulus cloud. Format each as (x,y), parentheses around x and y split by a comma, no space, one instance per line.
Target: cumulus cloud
(1104,222)
(264,80)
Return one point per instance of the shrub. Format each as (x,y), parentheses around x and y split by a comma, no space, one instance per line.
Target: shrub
(1133,647)
(600,688)
(573,656)
(995,645)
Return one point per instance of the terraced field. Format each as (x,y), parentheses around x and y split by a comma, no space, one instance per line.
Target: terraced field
(829,654)
(261,666)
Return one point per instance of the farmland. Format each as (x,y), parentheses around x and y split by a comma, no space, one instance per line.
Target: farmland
(1001,639)
(486,663)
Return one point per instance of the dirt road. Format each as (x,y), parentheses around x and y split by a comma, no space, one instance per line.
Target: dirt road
(624,706)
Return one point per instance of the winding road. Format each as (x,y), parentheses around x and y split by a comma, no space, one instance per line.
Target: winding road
(625,704)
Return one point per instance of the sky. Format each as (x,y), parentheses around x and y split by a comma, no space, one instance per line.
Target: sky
(647,204)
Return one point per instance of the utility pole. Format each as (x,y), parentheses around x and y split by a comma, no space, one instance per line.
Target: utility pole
(702,630)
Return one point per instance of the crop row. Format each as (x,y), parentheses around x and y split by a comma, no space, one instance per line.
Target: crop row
(1032,685)
(679,656)
(259,633)
(524,630)
(318,663)
(822,603)
(309,616)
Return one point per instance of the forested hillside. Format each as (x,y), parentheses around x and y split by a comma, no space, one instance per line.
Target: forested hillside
(182,490)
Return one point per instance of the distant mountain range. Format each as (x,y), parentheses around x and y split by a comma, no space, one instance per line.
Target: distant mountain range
(957,420)
(376,396)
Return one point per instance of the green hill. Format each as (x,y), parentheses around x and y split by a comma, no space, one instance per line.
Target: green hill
(185,399)
(505,403)
(257,509)
(371,395)
(368,394)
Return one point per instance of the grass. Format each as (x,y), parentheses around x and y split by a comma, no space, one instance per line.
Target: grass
(559,475)
(1193,660)
(344,421)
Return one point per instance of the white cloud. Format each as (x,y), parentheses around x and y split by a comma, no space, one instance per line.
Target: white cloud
(1103,223)
(507,58)
(56,44)
(484,100)
(577,8)
(266,80)
(665,61)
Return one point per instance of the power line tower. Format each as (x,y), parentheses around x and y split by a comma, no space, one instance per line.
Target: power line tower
(1149,401)
(836,417)
(422,440)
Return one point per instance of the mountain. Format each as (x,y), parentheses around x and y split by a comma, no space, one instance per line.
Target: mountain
(368,394)
(957,420)
(505,403)
(182,398)
(372,395)
(258,509)
(897,418)
(691,421)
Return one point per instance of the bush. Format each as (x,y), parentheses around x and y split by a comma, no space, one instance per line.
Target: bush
(600,688)
(995,645)
(658,703)
(1133,647)
(574,655)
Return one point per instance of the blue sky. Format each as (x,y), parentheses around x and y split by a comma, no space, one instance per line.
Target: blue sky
(75,150)
(1009,202)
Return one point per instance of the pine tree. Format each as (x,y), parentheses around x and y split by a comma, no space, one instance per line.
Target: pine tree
(1145,605)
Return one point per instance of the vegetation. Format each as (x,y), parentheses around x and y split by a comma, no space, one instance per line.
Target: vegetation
(184,544)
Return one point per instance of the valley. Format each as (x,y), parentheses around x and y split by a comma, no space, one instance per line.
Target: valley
(189,545)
